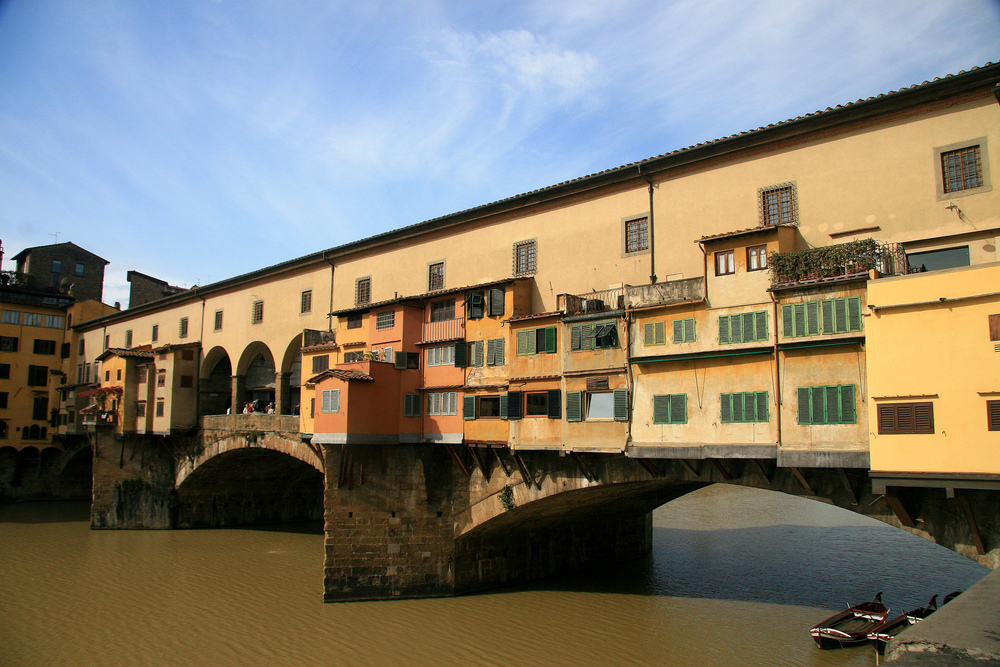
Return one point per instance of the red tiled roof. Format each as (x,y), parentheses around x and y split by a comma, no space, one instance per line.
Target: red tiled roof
(743,232)
(341,374)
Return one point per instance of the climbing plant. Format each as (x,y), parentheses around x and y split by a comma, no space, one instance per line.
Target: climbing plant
(834,260)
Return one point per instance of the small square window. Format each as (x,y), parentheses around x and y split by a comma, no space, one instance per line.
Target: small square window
(258,312)
(161,378)
(442,311)
(525,258)
(757,258)
(306,302)
(159,408)
(960,169)
(435,276)
(488,407)
(363,291)
(218,320)
(56,266)
(385,319)
(354,321)
(778,205)
(183,328)
(79,269)
(155,336)
(637,235)
(725,263)
(128,338)
(140,409)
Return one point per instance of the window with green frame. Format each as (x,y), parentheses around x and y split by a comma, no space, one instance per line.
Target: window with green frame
(841,315)
(536,341)
(744,407)
(654,333)
(670,409)
(743,327)
(593,335)
(684,331)
(827,405)
(830,316)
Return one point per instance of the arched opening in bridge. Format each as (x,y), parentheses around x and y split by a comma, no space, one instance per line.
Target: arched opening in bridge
(26,466)
(257,368)
(290,378)
(250,485)
(8,462)
(216,383)
(77,476)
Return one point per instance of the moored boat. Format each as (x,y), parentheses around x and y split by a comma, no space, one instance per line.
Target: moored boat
(884,632)
(850,626)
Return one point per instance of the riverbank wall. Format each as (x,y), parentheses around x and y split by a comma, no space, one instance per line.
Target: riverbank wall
(963,632)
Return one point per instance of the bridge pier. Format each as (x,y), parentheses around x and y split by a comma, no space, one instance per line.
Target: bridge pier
(133,482)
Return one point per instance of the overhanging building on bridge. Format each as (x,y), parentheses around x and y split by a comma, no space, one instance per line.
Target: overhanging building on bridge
(747,299)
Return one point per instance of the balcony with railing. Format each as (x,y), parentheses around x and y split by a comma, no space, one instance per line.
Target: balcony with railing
(632,296)
(836,262)
(453,329)
(311,337)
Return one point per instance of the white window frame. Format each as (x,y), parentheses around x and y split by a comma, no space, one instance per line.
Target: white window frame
(442,403)
(330,401)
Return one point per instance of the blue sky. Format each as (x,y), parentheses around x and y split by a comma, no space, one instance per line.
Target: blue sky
(195,141)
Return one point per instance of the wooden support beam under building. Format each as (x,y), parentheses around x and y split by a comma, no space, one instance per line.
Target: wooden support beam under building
(529,479)
(584,468)
(479,461)
(503,466)
(973,526)
(651,467)
(802,480)
(722,469)
(848,486)
(458,459)
(762,470)
(896,503)
(690,468)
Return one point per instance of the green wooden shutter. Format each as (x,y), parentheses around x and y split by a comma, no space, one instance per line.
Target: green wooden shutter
(724,336)
(787,323)
(800,319)
(812,318)
(530,341)
(522,343)
(804,414)
(854,313)
(503,406)
(575,337)
(648,333)
(491,352)
(551,334)
(461,356)
(828,323)
(833,413)
(726,408)
(498,359)
(659,333)
(748,328)
(762,407)
(678,331)
(847,405)
(621,405)
(496,302)
(661,409)
(678,409)
(574,406)
(738,414)
(840,315)
(760,325)
(554,403)
(477,354)
(468,407)
(817,400)
(515,405)
(587,336)
(689,334)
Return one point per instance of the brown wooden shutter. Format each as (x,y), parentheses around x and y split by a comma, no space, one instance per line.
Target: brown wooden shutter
(994,327)
(598,383)
(993,415)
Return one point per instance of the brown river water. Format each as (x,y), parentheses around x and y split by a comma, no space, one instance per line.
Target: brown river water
(736,577)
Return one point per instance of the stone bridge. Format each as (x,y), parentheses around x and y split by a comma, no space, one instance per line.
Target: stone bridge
(421,520)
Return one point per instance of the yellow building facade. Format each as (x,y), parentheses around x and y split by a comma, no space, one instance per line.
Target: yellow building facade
(719,301)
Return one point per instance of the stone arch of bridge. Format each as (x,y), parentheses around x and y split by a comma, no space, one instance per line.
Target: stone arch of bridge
(624,485)
(249,484)
(251,439)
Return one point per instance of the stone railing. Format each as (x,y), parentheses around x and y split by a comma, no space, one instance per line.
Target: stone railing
(251,422)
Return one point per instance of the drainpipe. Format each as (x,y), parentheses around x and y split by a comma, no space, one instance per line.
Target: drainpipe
(777,373)
(652,245)
(704,255)
(201,360)
(629,384)
(329,317)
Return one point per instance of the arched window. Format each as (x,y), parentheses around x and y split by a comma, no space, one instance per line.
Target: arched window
(3,430)
(33,432)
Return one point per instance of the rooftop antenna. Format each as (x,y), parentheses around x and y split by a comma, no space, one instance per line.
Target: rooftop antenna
(55,236)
